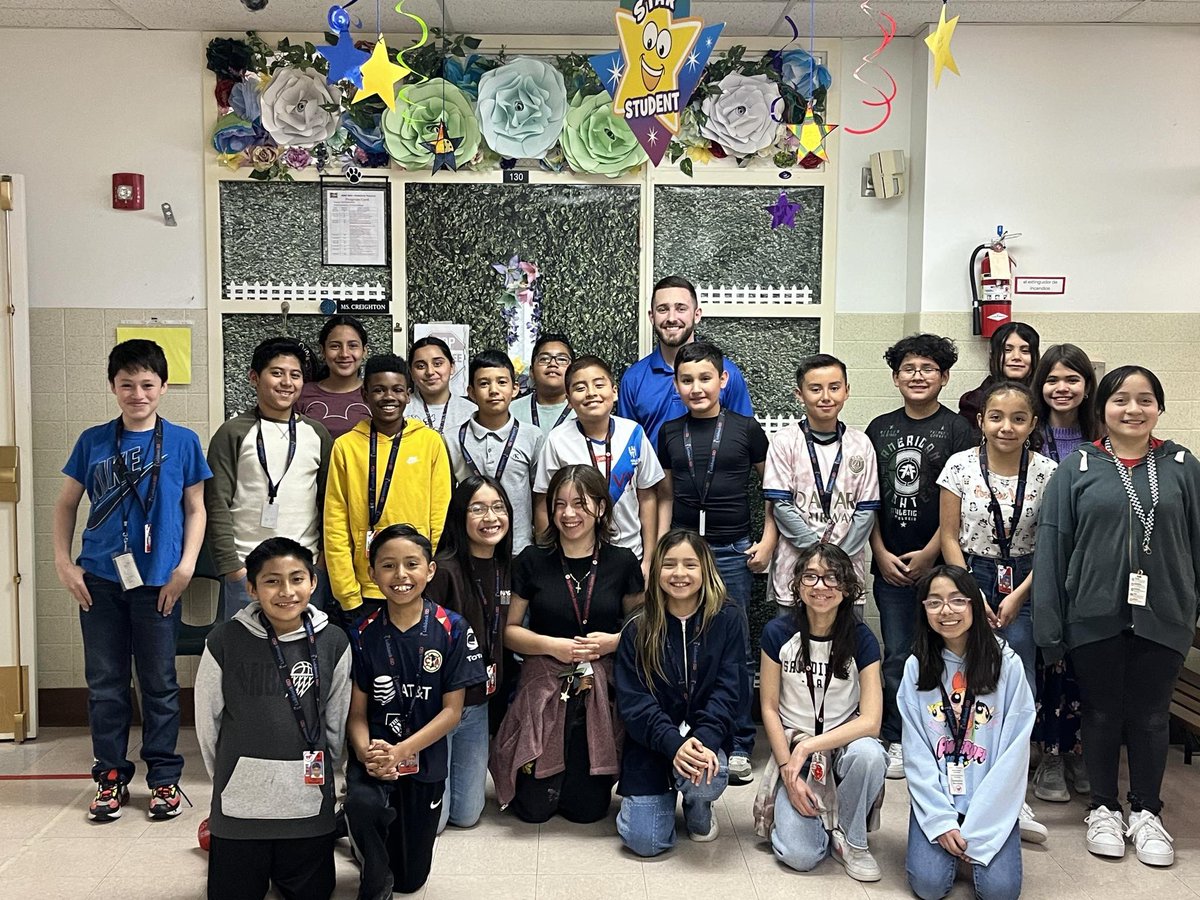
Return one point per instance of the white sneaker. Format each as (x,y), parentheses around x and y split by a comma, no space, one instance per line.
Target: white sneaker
(740,771)
(860,864)
(1150,839)
(895,760)
(712,832)
(1031,829)
(1106,832)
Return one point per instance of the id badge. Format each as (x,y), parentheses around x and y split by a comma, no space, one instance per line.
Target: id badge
(409,766)
(314,766)
(817,767)
(270,515)
(956,774)
(149,544)
(491,679)
(370,537)
(684,728)
(703,521)
(127,570)
(1004,579)
(1139,583)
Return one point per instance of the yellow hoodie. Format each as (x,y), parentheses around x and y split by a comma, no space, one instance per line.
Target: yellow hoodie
(419,495)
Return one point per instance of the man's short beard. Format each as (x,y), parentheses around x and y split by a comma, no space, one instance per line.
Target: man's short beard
(685,339)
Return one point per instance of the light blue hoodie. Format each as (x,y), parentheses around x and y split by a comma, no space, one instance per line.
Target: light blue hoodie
(996,752)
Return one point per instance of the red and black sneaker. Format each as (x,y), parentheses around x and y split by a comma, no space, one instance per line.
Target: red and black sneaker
(164,801)
(111,794)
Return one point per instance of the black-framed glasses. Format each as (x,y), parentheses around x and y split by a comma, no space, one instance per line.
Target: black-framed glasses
(544,359)
(956,604)
(829,579)
(480,510)
(911,371)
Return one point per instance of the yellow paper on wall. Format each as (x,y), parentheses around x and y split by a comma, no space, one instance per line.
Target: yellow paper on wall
(176,342)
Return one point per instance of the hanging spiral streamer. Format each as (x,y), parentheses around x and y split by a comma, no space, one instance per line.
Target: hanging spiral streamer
(887,28)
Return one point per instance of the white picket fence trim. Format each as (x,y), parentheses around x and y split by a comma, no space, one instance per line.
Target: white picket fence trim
(775,294)
(256,291)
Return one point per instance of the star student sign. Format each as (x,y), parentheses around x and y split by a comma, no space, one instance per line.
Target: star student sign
(663,53)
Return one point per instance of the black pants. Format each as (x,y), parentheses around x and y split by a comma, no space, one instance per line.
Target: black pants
(299,868)
(574,793)
(1125,685)
(393,824)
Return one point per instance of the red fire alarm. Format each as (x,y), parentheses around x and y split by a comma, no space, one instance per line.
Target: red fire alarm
(128,190)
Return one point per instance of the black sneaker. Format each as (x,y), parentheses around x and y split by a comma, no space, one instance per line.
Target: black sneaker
(164,801)
(111,794)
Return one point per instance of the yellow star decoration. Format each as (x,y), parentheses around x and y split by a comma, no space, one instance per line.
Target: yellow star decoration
(655,50)
(379,76)
(812,135)
(939,46)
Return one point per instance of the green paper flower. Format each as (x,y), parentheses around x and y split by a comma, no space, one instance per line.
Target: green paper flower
(418,110)
(597,141)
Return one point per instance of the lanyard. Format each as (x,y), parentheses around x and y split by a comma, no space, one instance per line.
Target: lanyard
(818,713)
(504,454)
(1004,541)
(591,585)
(824,491)
(273,486)
(375,512)
(533,412)
(607,451)
(429,419)
(122,472)
(958,728)
(702,489)
(1051,445)
(389,645)
(310,735)
(689,678)
(1135,502)
(497,610)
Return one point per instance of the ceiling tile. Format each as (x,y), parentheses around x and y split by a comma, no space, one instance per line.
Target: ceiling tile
(1040,12)
(846,19)
(55,4)
(741,17)
(295,16)
(1172,12)
(65,18)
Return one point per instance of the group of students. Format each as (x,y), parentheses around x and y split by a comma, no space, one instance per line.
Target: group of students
(553,591)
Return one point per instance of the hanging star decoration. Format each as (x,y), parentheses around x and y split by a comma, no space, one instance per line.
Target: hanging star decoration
(812,134)
(783,211)
(345,60)
(442,147)
(379,76)
(939,45)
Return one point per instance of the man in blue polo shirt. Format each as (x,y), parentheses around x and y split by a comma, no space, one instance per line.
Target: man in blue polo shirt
(647,391)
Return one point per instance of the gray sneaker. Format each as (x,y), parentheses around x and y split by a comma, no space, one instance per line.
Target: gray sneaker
(1049,781)
(740,771)
(1077,773)
(860,864)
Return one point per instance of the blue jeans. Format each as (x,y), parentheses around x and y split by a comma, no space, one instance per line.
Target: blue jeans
(237,594)
(898,621)
(466,761)
(647,823)
(931,869)
(124,625)
(739,581)
(1019,633)
(801,841)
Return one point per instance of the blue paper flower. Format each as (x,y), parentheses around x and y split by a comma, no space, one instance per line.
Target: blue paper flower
(244,100)
(233,134)
(369,137)
(522,107)
(804,73)
(464,73)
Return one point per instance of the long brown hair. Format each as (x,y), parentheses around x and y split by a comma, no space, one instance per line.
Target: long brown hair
(651,635)
(843,640)
(589,483)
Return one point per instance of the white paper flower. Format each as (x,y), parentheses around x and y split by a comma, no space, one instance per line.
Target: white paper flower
(292,110)
(522,107)
(739,119)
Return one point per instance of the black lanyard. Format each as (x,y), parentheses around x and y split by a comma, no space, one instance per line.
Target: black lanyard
(818,712)
(504,454)
(273,486)
(582,619)
(497,610)
(533,412)
(824,490)
(122,472)
(1051,445)
(958,728)
(1004,541)
(429,419)
(311,735)
(689,679)
(607,451)
(375,512)
(419,685)
(702,489)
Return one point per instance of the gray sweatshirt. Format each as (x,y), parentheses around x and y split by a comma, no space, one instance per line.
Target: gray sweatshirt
(249,737)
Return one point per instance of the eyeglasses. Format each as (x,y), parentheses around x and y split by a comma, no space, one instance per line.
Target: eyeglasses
(927,371)
(480,510)
(956,604)
(544,359)
(829,579)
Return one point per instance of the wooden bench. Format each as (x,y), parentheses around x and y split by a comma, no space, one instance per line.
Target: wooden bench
(1185,705)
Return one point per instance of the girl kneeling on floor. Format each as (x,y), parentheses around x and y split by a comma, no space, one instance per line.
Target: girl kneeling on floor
(677,693)
(968,714)
(822,705)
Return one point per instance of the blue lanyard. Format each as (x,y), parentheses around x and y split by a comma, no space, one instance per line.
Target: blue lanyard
(393,667)
(1004,541)
(504,454)
(533,412)
(824,491)
(375,512)
(122,472)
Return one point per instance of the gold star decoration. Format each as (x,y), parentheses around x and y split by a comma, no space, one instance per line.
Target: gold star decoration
(379,76)
(939,46)
(655,50)
(812,134)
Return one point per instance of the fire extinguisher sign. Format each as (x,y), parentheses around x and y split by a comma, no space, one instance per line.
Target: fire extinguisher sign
(1051,285)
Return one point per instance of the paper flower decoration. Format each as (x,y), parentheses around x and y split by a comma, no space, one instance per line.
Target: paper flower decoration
(415,118)
(292,111)
(465,74)
(803,72)
(368,136)
(522,107)
(228,57)
(739,118)
(244,100)
(597,141)
(233,134)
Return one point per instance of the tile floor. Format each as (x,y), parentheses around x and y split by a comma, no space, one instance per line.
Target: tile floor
(49,849)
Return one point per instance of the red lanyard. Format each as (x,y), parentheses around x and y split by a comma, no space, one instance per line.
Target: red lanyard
(581,618)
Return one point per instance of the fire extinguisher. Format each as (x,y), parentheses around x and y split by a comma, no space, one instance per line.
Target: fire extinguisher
(991,294)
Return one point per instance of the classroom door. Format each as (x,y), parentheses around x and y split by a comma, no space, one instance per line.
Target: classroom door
(18,632)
